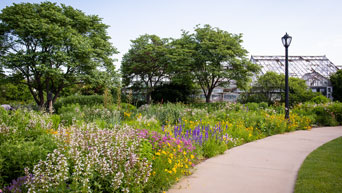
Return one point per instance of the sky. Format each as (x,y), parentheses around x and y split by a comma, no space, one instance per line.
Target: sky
(315,25)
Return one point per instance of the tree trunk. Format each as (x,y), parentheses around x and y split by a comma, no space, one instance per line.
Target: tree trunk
(49,102)
(207,97)
(41,100)
(148,97)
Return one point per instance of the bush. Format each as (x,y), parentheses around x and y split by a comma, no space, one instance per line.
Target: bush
(324,117)
(24,140)
(89,100)
(17,155)
(320,99)
(336,110)
(172,93)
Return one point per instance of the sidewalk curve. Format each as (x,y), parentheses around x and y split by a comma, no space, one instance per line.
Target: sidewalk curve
(269,165)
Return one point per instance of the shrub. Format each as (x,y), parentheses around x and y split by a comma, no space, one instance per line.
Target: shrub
(173,93)
(89,100)
(17,155)
(24,140)
(320,99)
(336,110)
(324,117)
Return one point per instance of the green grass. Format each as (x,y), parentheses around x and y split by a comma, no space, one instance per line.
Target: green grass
(321,171)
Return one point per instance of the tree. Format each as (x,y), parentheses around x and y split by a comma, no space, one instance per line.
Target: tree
(146,63)
(271,82)
(336,81)
(173,92)
(267,84)
(214,58)
(53,47)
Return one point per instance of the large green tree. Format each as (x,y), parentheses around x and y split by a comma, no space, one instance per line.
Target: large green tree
(336,81)
(146,64)
(52,47)
(214,58)
(273,83)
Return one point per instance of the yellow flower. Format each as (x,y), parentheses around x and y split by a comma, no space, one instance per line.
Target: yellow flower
(177,179)
(168,144)
(186,166)
(157,153)
(184,152)
(174,170)
(178,146)
(192,156)
(163,152)
(170,161)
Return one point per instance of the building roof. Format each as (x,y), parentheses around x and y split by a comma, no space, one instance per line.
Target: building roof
(298,65)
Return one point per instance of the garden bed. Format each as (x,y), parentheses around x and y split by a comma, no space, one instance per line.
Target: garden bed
(121,149)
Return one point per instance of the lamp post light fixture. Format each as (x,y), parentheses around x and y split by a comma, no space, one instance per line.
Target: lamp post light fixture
(286,39)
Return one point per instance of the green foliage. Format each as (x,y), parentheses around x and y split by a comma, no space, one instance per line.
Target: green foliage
(327,114)
(323,117)
(170,137)
(163,113)
(79,99)
(320,99)
(128,107)
(213,147)
(75,113)
(19,154)
(299,91)
(336,110)
(10,93)
(173,93)
(336,81)
(146,150)
(107,98)
(53,47)
(270,87)
(215,57)
(147,62)
(24,140)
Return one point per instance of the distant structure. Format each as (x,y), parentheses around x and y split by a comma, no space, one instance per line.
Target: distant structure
(315,70)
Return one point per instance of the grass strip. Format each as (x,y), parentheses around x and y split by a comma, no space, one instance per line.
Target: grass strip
(321,171)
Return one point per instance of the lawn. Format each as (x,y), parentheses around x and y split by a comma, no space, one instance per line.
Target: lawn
(322,170)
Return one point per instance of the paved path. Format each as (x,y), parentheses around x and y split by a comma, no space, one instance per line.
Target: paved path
(269,165)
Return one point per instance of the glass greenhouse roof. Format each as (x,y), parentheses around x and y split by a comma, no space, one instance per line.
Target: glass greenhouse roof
(298,65)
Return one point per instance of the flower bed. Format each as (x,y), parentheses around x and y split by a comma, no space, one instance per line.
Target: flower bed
(128,149)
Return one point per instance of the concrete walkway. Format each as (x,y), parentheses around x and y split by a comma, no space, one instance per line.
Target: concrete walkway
(268,165)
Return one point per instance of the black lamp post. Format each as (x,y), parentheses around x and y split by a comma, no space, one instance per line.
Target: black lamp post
(286,39)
